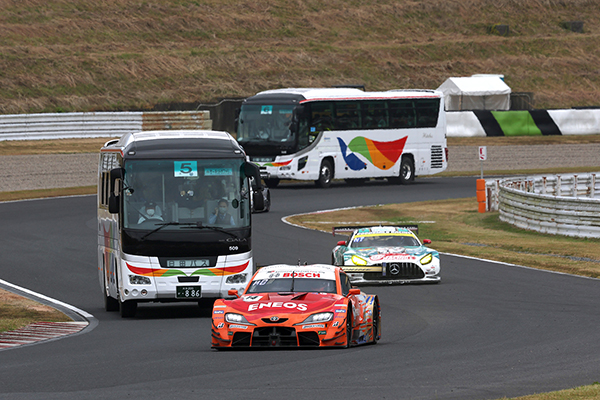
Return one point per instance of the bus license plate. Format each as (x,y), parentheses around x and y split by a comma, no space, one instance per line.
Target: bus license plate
(189,292)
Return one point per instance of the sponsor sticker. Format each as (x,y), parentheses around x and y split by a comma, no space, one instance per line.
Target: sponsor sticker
(340,311)
(219,311)
(238,326)
(392,257)
(221,325)
(313,326)
(278,304)
(251,298)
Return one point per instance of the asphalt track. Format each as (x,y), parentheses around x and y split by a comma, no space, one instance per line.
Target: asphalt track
(487,331)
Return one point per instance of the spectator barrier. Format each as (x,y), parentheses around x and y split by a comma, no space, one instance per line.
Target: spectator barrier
(559,204)
(96,124)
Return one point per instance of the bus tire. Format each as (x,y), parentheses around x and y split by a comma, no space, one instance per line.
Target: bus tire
(325,174)
(272,182)
(128,308)
(110,303)
(407,171)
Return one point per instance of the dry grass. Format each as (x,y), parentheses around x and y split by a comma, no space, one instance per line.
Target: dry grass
(17,312)
(123,54)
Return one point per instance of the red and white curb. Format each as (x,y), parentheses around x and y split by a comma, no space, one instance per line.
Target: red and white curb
(39,331)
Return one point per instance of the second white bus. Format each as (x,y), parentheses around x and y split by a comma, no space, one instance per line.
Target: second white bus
(324,133)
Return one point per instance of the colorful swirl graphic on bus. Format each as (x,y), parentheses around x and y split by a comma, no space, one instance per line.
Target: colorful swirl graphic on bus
(383,155)
(175,272)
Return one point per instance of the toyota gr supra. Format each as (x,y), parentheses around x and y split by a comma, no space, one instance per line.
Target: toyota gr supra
(386,255)
(292,306)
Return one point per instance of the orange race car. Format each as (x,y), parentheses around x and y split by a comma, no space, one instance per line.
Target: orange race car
(297,306)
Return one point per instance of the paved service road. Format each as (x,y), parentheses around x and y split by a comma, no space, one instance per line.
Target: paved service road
(486,331)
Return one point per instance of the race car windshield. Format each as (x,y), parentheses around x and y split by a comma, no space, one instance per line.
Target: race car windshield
(289,285)
(384,241)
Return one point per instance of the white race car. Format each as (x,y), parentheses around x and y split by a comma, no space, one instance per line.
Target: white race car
(386,255)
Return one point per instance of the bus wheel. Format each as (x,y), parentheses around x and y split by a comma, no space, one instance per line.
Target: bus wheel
(110,304)
(272,182)
(407,171)
(325,174)
(128,308)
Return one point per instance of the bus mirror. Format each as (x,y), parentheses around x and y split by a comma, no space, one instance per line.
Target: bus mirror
(116,173)
(252,170)
(114,193)
(113,204)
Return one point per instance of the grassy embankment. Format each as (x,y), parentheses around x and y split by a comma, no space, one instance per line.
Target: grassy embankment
(76,55)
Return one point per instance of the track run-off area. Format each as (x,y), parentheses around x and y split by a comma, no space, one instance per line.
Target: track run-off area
(488,330)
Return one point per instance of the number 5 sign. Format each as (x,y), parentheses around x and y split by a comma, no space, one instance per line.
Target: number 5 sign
(482,153)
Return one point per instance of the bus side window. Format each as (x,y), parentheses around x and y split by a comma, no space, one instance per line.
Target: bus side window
(374,114)
(321,116)
(347,115)
(427,112)
(402,114)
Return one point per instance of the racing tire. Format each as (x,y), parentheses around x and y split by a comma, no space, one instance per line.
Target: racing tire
(272,182)
(128,308)
(325,174)
(348,330)
(376,323)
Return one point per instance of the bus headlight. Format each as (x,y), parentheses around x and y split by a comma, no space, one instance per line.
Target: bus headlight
(139,280)
(236,279)
(356,260)
(427,259)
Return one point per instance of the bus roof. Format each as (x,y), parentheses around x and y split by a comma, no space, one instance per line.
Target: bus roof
(178,143)
(322,94)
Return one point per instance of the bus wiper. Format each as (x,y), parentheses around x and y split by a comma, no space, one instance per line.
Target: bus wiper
(199,225)
(160,227)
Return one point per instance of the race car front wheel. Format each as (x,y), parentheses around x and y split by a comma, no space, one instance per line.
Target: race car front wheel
(348,330)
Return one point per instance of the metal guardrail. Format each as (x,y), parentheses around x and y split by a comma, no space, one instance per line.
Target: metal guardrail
(96,124)
(560,204)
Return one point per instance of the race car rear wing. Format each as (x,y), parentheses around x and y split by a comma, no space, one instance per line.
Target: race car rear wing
(342,229)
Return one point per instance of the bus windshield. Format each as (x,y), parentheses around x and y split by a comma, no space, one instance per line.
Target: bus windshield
(183,194)
(269,124)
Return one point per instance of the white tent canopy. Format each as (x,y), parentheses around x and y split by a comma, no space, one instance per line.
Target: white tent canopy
(475,93)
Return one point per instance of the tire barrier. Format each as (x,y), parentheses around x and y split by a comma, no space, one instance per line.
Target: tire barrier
(561,204)
(96,124)
(523,123)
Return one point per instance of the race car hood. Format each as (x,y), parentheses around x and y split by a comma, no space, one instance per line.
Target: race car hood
(294,305)
(381,254)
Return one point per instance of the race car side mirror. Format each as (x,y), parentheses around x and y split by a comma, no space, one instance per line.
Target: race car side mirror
(341,243)
(233,292)
(354,291)
(427,241)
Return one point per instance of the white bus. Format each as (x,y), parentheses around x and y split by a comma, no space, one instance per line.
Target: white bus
(344,133)
(174,220)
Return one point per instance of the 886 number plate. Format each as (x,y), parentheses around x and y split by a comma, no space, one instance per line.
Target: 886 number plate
(188,292)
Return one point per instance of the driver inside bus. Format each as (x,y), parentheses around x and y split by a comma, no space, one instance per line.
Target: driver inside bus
(150,211)
(221,216)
